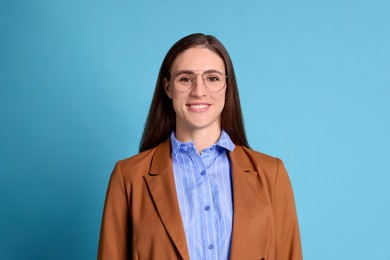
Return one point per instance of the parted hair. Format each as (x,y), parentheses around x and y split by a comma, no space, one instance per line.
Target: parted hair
(161,118)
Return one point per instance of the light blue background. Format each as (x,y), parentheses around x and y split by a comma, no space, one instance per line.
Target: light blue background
(77,78)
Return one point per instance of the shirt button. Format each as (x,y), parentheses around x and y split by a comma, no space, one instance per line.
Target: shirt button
(207,208)
(211,246)
(203,173)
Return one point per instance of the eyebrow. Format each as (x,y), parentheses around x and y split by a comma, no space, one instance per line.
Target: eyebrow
(179,72)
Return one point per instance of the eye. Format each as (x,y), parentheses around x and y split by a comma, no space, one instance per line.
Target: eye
(213,78)
(185,79)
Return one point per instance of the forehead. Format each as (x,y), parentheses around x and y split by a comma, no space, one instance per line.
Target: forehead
(198,58)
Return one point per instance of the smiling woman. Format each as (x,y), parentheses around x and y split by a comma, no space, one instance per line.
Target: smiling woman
(196,190)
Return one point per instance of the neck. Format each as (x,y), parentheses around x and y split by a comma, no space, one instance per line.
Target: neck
(202,138)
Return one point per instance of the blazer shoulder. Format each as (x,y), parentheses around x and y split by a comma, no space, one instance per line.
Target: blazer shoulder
(259,158)
(264,163)
(137,164)
(141,164)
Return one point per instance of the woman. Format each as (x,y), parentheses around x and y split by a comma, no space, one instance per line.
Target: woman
(196,190)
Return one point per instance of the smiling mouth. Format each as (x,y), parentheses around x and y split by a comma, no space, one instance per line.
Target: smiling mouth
(202,106)
(198,107)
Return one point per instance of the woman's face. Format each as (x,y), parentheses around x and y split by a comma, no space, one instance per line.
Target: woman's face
(198,107)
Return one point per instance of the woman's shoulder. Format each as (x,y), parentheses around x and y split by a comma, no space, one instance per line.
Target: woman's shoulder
(136,161)
(141,163)
(267,165)
(258,156)
(132,169)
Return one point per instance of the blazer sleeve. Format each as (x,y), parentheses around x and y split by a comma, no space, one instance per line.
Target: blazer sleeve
(115,233)
(288,243)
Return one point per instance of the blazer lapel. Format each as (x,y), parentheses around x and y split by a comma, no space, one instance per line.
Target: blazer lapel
(161,184)
(243,181)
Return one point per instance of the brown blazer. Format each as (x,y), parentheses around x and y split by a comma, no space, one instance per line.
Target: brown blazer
(142,218)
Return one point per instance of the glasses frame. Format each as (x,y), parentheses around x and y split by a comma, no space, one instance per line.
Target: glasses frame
(199,72)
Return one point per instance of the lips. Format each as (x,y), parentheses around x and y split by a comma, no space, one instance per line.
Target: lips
(198,107)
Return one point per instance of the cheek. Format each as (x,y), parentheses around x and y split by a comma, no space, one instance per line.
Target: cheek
(177,103)
(221,99)
(174,104)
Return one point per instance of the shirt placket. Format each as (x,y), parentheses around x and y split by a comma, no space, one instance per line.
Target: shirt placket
(206,208)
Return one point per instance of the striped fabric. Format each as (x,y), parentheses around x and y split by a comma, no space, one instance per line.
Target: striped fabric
(204,191)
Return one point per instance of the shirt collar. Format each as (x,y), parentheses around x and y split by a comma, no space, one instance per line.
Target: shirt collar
(224,141)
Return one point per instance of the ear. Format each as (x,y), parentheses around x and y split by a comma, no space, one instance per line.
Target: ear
(167,88)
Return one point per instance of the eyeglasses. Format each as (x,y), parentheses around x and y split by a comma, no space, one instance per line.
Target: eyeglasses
(184,80)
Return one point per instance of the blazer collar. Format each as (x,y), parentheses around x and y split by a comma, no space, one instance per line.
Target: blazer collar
(244,179)
(161,184)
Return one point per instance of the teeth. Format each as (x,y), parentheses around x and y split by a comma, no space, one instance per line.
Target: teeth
(198,106)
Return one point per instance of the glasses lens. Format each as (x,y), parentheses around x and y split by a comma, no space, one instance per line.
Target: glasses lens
(214,80)
(184,80)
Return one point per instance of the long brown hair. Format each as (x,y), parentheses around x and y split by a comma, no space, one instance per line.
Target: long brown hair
(161,117)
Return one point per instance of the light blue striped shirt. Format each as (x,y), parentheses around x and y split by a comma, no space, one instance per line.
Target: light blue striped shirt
(204,191)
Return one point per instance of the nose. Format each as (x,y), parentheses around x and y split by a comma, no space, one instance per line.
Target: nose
(199,88)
